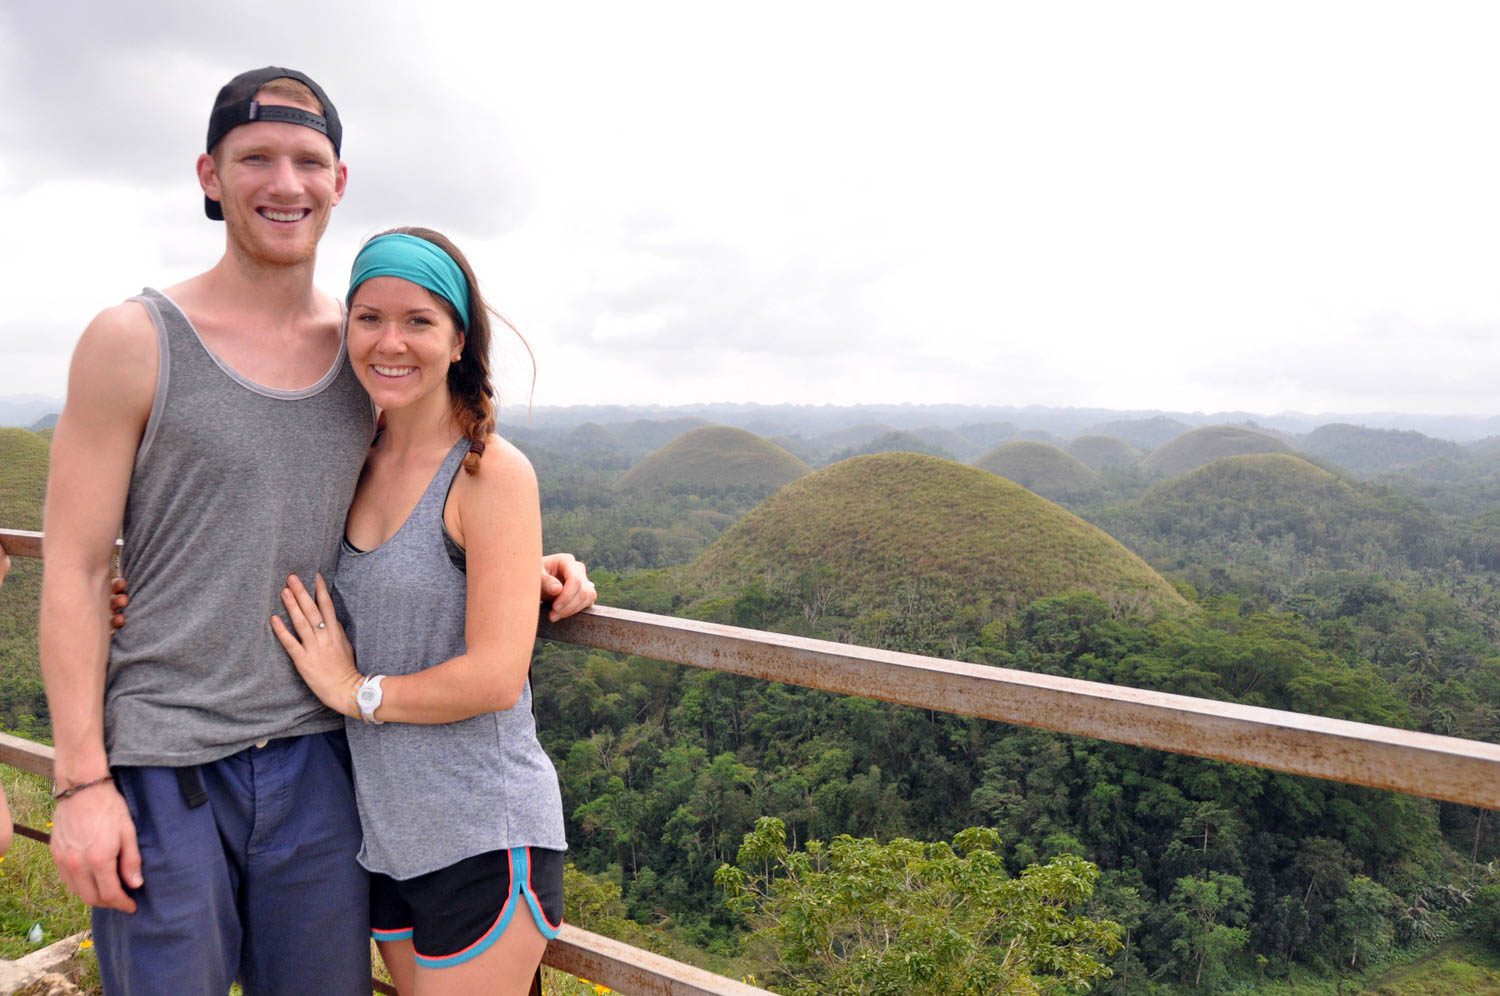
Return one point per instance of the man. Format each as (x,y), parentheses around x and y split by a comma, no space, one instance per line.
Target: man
(204,804)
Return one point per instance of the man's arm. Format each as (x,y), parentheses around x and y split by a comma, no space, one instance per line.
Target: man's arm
(111,384)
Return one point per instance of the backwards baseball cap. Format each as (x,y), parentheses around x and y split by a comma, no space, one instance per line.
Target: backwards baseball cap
(236,105)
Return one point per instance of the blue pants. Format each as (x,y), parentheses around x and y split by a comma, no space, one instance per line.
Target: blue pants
(259,882)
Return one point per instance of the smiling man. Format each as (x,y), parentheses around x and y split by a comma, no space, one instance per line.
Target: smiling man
(205,807)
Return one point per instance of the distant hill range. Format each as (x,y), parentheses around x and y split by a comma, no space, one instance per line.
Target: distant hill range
(897,441)
(886,533)
(713,460)
(1042,468)
(1367,451)
(1264,506)
(1201,446)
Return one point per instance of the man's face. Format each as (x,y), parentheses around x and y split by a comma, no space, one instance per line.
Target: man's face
(277,183)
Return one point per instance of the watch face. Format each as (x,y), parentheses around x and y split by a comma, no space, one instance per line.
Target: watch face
(368,696)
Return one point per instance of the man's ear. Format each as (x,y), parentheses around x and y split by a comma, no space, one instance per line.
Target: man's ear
(208,177)
(340,181)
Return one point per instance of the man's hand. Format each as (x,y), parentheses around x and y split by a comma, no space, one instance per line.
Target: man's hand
(93,845)
(4,564)
(565,582)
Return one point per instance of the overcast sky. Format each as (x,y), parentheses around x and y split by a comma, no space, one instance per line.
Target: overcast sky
(1196,206)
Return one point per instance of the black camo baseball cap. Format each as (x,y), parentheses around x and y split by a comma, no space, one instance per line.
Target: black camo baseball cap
(236,105)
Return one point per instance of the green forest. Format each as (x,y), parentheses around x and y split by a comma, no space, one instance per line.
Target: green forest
(829,844)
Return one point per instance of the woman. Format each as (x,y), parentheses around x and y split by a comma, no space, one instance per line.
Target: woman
(461,812)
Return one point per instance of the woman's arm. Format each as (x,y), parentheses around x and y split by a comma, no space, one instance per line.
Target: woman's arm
(501,531)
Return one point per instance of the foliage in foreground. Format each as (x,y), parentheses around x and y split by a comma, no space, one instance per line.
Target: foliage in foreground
(859,916)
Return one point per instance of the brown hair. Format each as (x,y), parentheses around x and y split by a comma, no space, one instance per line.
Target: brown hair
(470,392)
(289,89)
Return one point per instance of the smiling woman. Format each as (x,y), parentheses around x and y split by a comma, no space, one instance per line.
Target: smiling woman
(461,809)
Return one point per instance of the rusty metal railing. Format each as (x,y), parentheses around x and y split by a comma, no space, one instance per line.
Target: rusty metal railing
(1422,764)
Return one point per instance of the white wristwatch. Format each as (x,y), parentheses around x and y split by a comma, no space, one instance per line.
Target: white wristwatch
(369,697)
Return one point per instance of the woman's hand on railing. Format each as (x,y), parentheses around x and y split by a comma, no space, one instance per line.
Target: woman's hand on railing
(565,582)
(319,649)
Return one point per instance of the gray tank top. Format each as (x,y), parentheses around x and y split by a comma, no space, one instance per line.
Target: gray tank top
(235,487)
(433,794)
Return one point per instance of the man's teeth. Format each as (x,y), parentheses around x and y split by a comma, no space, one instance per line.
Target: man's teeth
(392,371)
(282,215)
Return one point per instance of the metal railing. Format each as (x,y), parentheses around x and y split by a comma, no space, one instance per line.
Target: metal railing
(1423,764)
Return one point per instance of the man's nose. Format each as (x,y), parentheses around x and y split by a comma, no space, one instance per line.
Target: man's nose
(284,177)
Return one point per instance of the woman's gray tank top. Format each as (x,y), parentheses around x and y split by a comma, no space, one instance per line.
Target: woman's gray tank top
(433,794)
(235,487)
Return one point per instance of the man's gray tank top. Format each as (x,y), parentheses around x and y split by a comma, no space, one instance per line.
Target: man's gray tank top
(434,794)
(235,487)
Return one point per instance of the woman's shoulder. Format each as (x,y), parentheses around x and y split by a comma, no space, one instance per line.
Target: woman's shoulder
(503,468)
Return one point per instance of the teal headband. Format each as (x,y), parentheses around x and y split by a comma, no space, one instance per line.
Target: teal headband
(410,258)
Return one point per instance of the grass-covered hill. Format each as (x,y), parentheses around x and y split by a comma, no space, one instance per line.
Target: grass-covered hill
(23,478)
(1365,451)
(1100,452)
(23,482)
(886,537)
(1212,442)
(1044,469)
(715,459)
(1266,507)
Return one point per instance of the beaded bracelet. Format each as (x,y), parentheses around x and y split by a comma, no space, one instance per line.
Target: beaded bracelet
(60,794)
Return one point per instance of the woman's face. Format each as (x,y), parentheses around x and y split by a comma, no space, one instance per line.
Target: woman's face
(401,341)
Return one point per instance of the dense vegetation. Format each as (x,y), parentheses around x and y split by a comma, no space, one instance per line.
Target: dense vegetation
(786,828)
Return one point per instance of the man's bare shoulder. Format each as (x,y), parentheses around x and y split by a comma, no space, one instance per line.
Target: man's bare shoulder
(125,326)
(115,360)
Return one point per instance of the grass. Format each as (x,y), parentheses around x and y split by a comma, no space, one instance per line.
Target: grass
(1205,445)
(884,524)
(30,891)
(713,460)
(1044,469)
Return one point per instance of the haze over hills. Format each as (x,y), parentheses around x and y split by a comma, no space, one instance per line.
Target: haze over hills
(714,459)
(898,441)
(1205,445)
(1042,468)
(867,529)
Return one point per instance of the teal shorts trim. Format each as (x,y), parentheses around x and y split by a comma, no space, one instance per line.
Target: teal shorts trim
(456,913)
